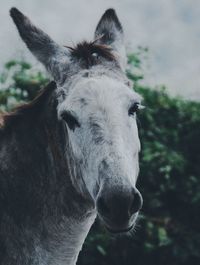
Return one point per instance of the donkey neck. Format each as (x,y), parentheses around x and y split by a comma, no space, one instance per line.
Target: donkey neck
(63,245)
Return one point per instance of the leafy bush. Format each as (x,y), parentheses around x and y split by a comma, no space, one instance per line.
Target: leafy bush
(168,232)
(19,83)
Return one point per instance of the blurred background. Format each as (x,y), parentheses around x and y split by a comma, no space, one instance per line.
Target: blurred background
(170,29)
(163,47)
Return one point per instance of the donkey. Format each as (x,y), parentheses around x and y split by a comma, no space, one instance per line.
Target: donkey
(72,153)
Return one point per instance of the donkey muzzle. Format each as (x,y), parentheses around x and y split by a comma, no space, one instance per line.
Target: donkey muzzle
(118,208)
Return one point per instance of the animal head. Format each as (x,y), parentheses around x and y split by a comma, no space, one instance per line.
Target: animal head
(98,109)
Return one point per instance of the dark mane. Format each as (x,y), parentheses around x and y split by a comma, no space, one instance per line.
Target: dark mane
(91,53)
(30,110)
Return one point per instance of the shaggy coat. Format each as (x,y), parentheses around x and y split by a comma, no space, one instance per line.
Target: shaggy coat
(64,157)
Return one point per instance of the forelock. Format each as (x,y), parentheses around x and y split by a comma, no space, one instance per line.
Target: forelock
(89,54)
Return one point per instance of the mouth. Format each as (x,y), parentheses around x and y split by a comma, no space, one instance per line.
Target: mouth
(119,231)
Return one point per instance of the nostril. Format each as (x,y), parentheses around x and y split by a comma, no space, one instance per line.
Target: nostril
(102,206)
(136,203)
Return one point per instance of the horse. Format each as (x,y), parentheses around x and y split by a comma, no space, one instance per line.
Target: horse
(71,154)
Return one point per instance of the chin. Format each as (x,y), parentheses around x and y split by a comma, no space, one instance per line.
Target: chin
(119,230)
(116,229)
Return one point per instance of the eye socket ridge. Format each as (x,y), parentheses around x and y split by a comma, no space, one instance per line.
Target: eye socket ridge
(70,118)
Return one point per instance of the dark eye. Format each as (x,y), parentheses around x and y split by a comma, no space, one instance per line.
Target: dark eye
(70,119)
(133,109)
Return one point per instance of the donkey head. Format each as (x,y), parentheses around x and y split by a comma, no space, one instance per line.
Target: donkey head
(98,109)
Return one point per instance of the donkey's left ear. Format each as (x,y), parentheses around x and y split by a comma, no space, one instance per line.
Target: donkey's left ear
(109,31)
(54,57)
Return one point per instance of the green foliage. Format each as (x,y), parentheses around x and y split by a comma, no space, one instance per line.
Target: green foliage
(19,83)
(168,231)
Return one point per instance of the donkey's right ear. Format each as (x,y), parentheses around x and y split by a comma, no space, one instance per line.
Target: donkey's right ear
(54,57)
(109,31)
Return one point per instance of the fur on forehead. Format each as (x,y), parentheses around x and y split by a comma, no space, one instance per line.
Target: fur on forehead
(96,89)
(77,75)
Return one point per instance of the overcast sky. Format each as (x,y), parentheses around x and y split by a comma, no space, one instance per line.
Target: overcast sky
(170,28)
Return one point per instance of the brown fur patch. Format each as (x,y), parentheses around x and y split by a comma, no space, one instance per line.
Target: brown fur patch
(91,53)
(29,110)
(1,120)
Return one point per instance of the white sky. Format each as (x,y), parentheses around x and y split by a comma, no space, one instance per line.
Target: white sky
(170,28)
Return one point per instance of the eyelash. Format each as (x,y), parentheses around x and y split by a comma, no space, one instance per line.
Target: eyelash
(134,108)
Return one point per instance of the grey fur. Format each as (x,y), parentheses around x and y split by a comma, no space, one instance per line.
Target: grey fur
(58,172)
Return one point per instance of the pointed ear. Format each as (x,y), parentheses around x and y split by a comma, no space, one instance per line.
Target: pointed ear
(110,32)
(54,57)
